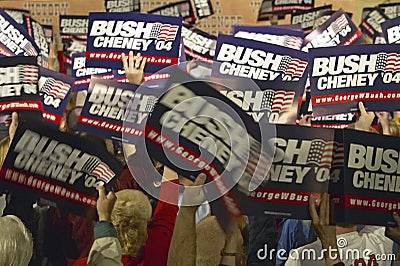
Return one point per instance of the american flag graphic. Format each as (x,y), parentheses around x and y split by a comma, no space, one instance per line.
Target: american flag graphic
(388,62)
(165,32)
(151,101)
(329,153)
(292,66)
(277,101)
(56,88)
(293,42)
(339,24)
(28,74)
(96,167)
(29,48)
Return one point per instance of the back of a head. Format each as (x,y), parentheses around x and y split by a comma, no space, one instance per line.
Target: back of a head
(16,244)
(210,241)
(130,216)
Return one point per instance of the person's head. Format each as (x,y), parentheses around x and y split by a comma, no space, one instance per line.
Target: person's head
(16,244)
(130,216)
(394,129)
(210,241)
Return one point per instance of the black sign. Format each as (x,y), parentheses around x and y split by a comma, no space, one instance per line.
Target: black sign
(59,169)
(122,5)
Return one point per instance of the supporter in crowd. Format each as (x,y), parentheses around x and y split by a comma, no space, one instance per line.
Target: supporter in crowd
(205,243)
(16,244)
(387,126)
(106,249)
(130,216)
(370,238)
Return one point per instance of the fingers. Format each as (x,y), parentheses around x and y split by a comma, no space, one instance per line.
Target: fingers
(102,191)
(124,62)
(324,209)
(143,64)
(138,58)
(312,210)
(111,196)
(200,180)
(131,61)
(14,119)
(361,107)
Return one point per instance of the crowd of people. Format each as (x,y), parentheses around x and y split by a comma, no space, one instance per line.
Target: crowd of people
(133,228)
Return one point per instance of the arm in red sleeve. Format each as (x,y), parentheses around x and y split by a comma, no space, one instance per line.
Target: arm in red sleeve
(162,226)
(60,58)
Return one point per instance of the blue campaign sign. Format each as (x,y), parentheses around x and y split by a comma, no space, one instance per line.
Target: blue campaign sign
(109,104)
(14,39)
(83,74)
(55,89)
(280,73)
(157,38)
(342,76)
(391,30)
(338,30)
(273,35)
(241,58)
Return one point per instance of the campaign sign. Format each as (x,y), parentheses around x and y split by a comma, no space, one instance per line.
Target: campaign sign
(73,32)
(36,31)
(282,7)
(202,8)
(109,104)
(371,24)
(391,30)
(391,10)
(339,121)
(287,6)
(157,38)
(199,45)
(241,58)
(48,32)
(17,14)
(179,9)
(338,30)
(273,35)
(14,39)
(305,159)
(217,138)
(370,184)
(73,25)
(278,71)
(83,74)
(307,17)
(59,169)
(55,89)
(265,12)
(122,5)
(19,85)
(343,76)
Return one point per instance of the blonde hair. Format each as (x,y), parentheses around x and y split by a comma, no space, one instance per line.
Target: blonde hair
(16,244)
(394,129)
(4,147)
(130,216)
(209,242)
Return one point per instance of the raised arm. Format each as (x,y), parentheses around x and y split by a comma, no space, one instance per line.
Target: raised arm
(182,251)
